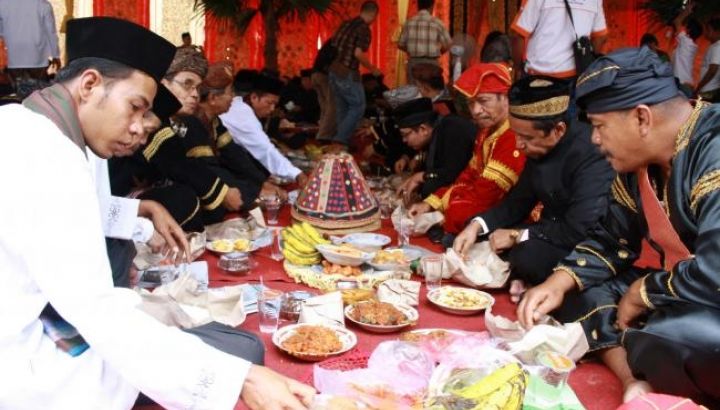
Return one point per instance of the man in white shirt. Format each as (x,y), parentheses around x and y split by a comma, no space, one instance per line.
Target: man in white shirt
(709,85)
(683,58)
(53,256)
(545,28)
(242,121)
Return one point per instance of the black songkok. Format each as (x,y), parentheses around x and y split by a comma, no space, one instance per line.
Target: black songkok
(263,83)
(539,97)
(165,105)
(243,81)
(414,113)
(625,79)
(121,41)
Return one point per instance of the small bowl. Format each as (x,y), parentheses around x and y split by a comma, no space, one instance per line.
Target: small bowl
(347,338)
(368,242)
(409,254)
(292,304)
(411,317)
(236,262)
(344,256)
(438,297)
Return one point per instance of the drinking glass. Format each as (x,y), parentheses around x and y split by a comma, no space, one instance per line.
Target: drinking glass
(406,228)
(276,248)
(272,209)
(269,302)
(432,266)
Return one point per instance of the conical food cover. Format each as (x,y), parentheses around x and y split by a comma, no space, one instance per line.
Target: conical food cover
(337,199)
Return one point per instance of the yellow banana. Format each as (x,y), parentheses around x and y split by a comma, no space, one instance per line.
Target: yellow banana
(300,234)
(301,246)
(298,259)
(313,233)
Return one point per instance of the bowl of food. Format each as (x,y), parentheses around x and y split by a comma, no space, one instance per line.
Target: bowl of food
(381,317)
(368,242)
(344,254)
(356,295)
(393,259)
(223,246)
(236,262)
(314,343)
(460,301)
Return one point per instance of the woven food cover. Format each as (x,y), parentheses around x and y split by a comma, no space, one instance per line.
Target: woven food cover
(337,199)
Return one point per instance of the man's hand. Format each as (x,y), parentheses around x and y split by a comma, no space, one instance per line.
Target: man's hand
(411,184)
(544,298)
(466,238)
(301,180)
(166,226)
(401,164)
(269,189)
(233,200)
(157,243)
(503,239)
(268,390)
(631,306)
(419,209)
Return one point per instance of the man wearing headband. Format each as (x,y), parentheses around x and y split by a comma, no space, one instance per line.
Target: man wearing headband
(99,102)
(162,172)
(496,163)
(564,172)
(660,323)
(445,142)
(255,99)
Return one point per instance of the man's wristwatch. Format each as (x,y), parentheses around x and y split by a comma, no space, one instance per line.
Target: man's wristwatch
(515,235)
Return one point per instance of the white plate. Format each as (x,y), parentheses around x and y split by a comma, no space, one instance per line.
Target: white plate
(347,338)
(411,317)
(368,242)
(410,255)
(335,254)
(439,298)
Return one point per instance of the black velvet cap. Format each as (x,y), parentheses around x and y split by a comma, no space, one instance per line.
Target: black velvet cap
(625,79)
(538,97)
(121,41)
(414,112)
(266,84)
(165,105)
(243,81)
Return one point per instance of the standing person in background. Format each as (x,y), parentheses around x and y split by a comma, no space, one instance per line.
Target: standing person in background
(709,86)
(683,57)
(28,29)
(352,41)
(187,43)
(423,37)
(546,35)
(327,124)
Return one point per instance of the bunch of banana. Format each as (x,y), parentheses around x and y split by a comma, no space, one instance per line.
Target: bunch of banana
(504,389)
(300,240)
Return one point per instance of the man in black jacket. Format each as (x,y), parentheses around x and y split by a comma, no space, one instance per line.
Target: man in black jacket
(564,172)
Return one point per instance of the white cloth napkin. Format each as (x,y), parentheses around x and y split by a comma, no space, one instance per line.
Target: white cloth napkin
(399,291)
(323,309)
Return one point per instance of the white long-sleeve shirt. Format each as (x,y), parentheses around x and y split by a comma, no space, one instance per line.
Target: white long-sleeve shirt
(28,27)
(246,130)
(52,251)
(119,215)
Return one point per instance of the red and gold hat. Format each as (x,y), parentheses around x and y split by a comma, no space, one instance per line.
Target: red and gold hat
(484,78)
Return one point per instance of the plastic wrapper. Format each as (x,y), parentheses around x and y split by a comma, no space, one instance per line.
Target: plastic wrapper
(399,291)
(481,267)
(396,378)
(421,223)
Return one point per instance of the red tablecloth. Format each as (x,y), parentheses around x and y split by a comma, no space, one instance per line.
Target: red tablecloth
(595,385)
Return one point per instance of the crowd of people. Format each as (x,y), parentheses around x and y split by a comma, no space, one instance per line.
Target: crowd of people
(597,184)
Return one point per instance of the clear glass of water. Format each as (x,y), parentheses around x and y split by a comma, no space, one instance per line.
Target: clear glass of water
(269,302)
(272,209)
(432,267)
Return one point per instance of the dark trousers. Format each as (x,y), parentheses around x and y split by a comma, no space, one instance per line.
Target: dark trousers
(121,254)
(533,260)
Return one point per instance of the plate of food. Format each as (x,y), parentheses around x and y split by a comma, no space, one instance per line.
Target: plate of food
(314,343)
(393,259)
(431,335)
(368,242)
(230,245)
(460,301)
(381,317)
(348,271)
(344,254)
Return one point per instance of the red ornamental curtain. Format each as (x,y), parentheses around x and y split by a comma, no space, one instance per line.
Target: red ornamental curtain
(137,11)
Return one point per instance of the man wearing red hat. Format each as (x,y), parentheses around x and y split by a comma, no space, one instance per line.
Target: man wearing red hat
(496,163)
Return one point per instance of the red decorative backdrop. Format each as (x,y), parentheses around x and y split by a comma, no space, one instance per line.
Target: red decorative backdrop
(137,11)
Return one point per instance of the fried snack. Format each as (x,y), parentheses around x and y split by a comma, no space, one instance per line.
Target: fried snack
(222,245)
(394,257)
(352,296)
(345,249)
(461,298)
(377,313)
(317,340)
(242,245)
(335,269)
(417,337)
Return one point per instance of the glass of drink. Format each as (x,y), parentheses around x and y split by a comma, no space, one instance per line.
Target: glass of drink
(276,248)
(272,209)
(432,266)
(269,302)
